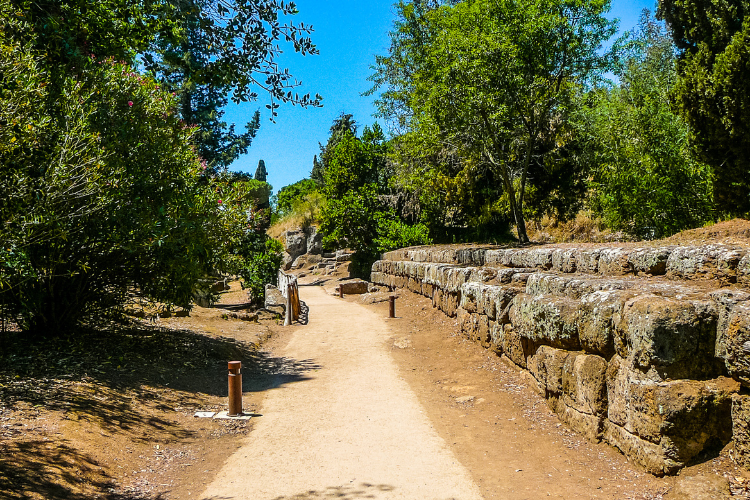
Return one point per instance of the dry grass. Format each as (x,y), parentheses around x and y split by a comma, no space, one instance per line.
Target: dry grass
(584,228)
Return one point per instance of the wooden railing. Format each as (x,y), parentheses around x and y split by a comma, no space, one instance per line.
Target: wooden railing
(290,291)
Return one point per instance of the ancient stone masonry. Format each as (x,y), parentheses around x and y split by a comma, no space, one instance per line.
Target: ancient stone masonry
(646,348)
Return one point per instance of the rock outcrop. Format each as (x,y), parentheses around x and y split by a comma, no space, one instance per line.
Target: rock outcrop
(646,348)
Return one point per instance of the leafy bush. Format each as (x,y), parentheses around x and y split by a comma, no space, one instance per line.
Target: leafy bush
(103,194)
(648,181)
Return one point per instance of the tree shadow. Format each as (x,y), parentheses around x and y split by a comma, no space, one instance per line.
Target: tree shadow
(346,492)
(55,471)
(104,376)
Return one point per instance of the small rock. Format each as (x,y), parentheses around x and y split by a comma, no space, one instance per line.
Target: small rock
(402,343)
(700,488)
(465,399)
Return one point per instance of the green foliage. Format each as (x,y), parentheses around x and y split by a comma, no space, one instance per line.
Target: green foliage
(210,51)
(344,124)
(648,181)
(713,90)
(355,215)
(485,87)
(261,174)
(262,265)
(292,194)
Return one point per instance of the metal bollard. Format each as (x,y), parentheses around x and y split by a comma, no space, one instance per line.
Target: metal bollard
(392,306)
(235,388)
(341,292)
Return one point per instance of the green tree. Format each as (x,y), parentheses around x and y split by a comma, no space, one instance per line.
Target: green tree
(647,179)
(344,124)
(355,215)
(213,50)
(103,194)
(261,174)
(713,89)
(488,79)
(292,194)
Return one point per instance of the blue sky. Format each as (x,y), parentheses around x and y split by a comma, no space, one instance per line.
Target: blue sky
(348,34)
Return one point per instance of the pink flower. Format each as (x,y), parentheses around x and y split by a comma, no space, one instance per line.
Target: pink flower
(130,103)
(219,202)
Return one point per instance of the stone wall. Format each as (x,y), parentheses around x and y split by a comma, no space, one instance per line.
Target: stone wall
(646,348)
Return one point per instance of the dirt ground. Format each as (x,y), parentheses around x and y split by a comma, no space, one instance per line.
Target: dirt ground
(109,413)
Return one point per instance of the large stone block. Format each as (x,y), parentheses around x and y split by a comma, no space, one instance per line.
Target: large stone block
(295,243)
(681,416)
(353,287)
(676,337)
(741,429)
(314,241)
(547,365)
(705,262)
(564,260)
(735,343)
(516,347)
(587,260)
(651,261)
(654,457)
(590,426)
(546,319)
(725,300)
(599,316)
(614,262)
(584,384)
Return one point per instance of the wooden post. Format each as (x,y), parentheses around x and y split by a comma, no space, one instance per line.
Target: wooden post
(235,388)
(341,292)
(392,306)
(288,317)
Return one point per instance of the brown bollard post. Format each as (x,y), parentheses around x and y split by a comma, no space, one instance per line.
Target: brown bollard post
(341,292)
(392,306)
(235,388)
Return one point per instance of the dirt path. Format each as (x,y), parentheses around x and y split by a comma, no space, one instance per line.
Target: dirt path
(352,428)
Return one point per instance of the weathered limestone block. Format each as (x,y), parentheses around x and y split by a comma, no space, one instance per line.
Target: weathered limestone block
(599,316)
(736,343)
(705,262)
(483,274)
(353,287)
(456,276)
(450,303)
(516,347)
(584,384)
(546,319)
(743,270)
(551,363)
(587,260)
(564,260)
(537,258)
(437,298)
(470,295)
(494,257)
(725,300)
(680,416)
(295,243)
(572,287)
(497,334)
(651,261)
(676,337)
(654,457)
(590,426)
(614,262)
(468,322)
(275,301)
(314,241)
(741,429)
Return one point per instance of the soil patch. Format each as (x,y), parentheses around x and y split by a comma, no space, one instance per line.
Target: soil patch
(109,413)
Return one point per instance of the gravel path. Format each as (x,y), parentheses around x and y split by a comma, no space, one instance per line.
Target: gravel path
(352,429)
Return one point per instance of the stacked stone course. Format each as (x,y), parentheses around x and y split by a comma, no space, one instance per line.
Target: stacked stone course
(645,348)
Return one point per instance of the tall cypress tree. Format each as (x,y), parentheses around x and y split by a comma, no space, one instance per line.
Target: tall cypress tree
(261,174)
